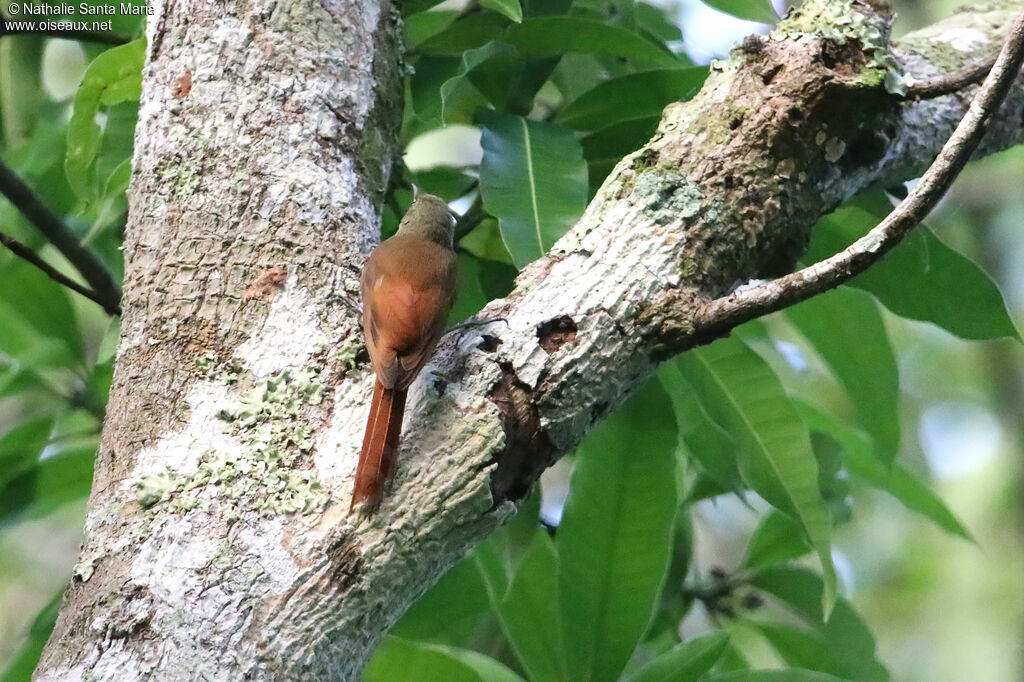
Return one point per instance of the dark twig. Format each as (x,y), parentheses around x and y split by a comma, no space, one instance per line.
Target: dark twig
(723,314)
(948,83)
(53,228)
(27,254)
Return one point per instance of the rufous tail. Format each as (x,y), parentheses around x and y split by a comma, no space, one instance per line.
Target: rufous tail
(379,457)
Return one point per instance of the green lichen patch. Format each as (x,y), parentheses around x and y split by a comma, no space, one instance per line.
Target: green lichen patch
(270,421)
(86,566)
(667,196)
(348,354)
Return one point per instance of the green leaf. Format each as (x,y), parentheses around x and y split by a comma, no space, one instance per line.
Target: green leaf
(791,675)
(509,8)
(432,33)
(862,463)
(550,36)
(686,662)
(484,77)
(27,658)
(115,76)
(444,181)
(529,613)
(921,278)
(751,10)
(654,21)
(741,392)
(776,540)
(470,296)
(49,483)
(533,180)
(801,648)
(400,660)
(636,95)
(484,241)
(847,330)
(40,325)
(457,599)
(21,446)
(705,441)
(614,540)
(606,147)
(850,641)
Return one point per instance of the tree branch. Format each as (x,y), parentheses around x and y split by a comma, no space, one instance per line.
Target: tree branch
(948,83)
(27,254)
(53,228)
(746,304)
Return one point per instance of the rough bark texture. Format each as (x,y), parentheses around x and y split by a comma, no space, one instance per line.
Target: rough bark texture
(217,544)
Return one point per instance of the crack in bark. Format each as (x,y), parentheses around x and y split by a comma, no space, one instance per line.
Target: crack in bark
(528,449)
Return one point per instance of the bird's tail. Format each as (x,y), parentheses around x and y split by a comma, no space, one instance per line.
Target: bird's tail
(380,447)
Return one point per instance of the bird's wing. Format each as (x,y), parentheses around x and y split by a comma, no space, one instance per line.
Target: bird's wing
(404,316)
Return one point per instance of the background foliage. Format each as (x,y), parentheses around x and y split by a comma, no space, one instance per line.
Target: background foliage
(855,454)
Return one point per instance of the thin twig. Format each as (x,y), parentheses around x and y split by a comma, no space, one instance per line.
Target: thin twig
(723,314)
(948,83)
(53,228)
(27,254)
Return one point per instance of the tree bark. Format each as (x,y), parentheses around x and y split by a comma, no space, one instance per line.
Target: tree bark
(217,543)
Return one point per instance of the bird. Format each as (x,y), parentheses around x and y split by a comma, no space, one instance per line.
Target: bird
(408,285)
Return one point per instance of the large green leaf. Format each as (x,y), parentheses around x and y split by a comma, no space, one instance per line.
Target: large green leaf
(530,615)
(849,640)
(615,537)
(40,326)
(635,95)
(864,464)
(751,10)
(484,76)
(741,392)
(847,330)
(655,22)
(548,36)
(115,76)
(801,648)
(64,476)
(776,540)
(401,660)
(606,147)
(533,180)
(921,278)
(445,181)
(458,600)
(437,33)
(686,662)
(705,441)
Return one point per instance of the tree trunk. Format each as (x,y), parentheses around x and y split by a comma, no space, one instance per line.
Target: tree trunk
(217,541)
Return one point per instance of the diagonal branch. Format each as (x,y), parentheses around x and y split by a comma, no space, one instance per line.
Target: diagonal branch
(27,254)
(53,228)
(746,304)
(948,83)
